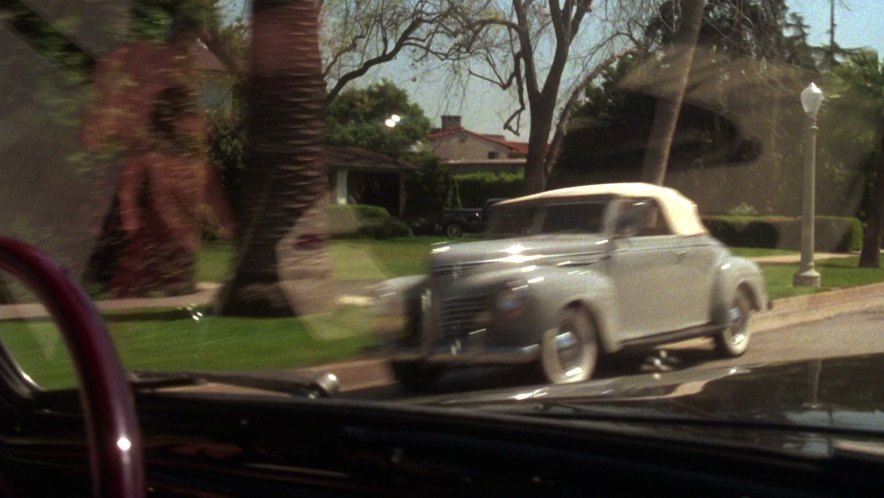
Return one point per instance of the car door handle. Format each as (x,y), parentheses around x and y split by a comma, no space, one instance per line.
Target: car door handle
(680,256)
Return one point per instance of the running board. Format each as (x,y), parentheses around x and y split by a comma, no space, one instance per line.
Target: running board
(670,337)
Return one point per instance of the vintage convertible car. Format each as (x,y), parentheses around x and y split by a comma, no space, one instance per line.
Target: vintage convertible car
(566,275)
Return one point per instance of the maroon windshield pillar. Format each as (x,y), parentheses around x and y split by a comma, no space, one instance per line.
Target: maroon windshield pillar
(115,449)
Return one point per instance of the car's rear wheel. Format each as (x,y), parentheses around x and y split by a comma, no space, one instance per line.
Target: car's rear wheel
(734,340)
(416,375)
(570,352)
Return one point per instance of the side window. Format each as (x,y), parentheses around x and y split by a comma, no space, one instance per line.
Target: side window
(512,222)
(642,218)
(573,218)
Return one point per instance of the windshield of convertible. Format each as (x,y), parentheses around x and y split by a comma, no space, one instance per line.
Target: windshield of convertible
(574,217)
(551,200)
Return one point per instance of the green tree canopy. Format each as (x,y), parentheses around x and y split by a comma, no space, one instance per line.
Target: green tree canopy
(853,130)
(155,19)
(740,120)
(357,118)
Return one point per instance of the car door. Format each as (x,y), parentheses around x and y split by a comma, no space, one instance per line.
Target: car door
(646,267)
(696,260)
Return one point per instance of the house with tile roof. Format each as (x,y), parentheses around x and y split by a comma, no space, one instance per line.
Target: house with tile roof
(466,151)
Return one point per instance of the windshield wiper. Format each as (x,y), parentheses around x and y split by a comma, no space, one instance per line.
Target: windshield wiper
(314,386)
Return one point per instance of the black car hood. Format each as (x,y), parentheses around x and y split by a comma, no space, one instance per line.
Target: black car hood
(837,395)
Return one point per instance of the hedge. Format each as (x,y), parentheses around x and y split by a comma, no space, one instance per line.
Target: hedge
(476,188)
(359,220)
(832,233)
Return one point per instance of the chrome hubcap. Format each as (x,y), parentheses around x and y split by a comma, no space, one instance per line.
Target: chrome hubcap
(570,353)
(738,326)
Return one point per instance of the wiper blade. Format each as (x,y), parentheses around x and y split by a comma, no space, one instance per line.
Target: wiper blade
(320,385)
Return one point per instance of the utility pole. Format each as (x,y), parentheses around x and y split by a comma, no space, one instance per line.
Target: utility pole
(831,33)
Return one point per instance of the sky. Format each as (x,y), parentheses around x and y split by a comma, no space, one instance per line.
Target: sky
(859,23)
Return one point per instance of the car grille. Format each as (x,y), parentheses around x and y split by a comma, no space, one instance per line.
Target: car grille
(459,315)
(455,271)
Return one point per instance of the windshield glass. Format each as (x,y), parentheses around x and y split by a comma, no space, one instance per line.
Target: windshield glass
(513,221)
(281,188)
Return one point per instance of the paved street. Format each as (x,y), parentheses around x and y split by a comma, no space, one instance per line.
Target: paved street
(847,334)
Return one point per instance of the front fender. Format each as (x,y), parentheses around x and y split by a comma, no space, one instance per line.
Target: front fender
(733,273)
(580,286)
(391,297)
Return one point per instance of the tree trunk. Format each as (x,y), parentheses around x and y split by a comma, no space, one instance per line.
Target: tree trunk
(669,104)
(535,163)
(282,255)
(870,257)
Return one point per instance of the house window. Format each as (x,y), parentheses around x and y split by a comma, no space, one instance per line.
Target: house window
(493,154)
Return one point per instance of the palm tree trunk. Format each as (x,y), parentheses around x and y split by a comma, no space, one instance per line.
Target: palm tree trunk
(669,103)
(282,252)
(870,257)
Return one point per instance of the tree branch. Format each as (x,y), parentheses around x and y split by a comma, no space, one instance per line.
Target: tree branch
(386,56)
(565,116)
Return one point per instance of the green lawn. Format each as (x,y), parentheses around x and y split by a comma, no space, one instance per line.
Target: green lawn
(755,252)
(214,262)
(174,340)
(165,339)
(834,274)
(352,259)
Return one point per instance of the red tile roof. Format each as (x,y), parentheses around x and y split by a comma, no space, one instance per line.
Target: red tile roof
(518,147)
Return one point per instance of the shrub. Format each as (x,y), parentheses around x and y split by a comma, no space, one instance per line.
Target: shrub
(743,209)
(366,212)
(476,188)
(354,221)
(832,233)
(430,189)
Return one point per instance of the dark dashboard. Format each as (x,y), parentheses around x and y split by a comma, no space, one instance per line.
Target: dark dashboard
(221,445)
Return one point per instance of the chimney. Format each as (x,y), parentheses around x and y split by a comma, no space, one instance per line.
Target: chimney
(449,122)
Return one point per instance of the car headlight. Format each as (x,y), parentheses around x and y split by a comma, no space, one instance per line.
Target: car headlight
(512,300)
(389,313)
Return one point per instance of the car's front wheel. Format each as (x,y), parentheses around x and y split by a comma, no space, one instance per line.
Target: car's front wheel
(734,340)
(569,353)
(454,230)
(416,375)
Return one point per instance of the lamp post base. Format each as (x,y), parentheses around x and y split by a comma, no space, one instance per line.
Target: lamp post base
(807,278)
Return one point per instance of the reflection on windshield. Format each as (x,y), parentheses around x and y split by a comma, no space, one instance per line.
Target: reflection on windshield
(255,186)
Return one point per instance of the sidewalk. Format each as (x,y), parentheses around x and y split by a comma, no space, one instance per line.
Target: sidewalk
(204,295)
(796,258)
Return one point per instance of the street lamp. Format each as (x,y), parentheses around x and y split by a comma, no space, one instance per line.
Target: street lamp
(392,121)
(807,276)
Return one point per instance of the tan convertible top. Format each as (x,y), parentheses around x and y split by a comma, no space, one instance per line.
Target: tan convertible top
(680,211)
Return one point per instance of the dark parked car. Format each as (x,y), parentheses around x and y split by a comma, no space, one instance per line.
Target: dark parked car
(455,222)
